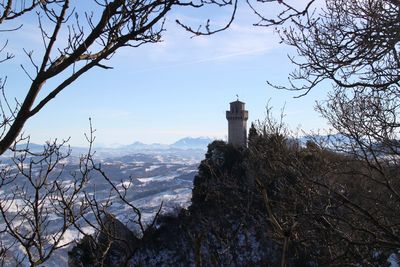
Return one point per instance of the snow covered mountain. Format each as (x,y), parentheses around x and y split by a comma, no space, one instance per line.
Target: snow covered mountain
(184,143)
(185,147)
(192,143)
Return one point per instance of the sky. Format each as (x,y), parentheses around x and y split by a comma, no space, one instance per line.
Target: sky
(159,93)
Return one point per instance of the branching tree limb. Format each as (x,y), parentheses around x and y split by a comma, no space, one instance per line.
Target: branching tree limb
(89,42)
(353,44)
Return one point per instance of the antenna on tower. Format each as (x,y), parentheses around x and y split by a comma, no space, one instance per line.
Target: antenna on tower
(237,96)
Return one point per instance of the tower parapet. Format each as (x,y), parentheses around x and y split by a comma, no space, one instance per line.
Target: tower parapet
(237,124)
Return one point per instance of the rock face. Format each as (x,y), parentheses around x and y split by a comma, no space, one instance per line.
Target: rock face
(113,246)
(116,238)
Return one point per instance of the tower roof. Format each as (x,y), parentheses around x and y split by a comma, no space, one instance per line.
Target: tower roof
(237,101)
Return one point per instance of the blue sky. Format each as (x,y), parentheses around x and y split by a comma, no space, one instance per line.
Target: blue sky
(166,91)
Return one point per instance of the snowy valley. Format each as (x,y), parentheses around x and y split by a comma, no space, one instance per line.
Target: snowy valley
(152,176)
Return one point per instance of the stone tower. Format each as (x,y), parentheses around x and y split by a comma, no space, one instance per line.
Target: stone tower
(237,124)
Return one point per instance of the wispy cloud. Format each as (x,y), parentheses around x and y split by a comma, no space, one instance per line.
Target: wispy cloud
(177,49)
(205,60)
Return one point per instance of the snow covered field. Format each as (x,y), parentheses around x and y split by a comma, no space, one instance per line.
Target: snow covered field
(151,179)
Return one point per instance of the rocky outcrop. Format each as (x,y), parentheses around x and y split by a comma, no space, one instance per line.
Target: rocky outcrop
(113,245)
(224,226)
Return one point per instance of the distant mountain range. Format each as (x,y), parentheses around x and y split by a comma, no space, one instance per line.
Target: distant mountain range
(184,143)
(184,146)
